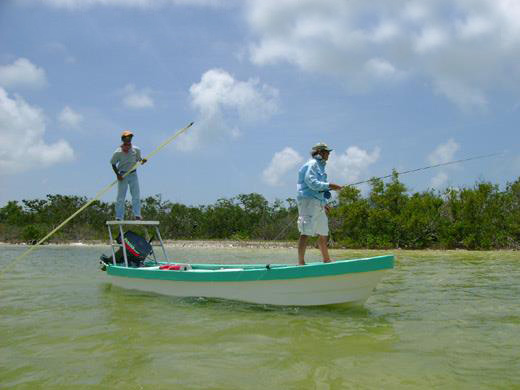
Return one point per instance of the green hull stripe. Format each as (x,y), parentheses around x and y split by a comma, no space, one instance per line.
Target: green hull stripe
(257,272)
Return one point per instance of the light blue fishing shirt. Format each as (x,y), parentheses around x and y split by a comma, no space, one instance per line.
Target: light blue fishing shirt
(125,161)
(312,180)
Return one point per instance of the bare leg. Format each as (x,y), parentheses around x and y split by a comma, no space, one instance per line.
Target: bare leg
(322,243)
(302,245)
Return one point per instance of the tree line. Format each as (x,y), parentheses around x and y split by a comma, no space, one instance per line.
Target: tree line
(387,216)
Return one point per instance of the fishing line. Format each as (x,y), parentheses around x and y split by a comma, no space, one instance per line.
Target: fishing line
(428,167)
(98,195)
(402,173)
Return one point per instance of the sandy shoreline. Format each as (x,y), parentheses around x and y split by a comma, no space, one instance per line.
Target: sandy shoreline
(187,244)
(230,244)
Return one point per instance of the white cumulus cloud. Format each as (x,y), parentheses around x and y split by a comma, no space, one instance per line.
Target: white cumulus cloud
(464,49)
(439,180)
(442,154)
(22,73)
(137,99)
(282,162)
(59,49)
(220,100)
(429,39)
(346,168)
(382,69)
(69,118)
(22,146)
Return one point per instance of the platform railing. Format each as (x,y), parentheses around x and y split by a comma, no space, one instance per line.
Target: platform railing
(120,225)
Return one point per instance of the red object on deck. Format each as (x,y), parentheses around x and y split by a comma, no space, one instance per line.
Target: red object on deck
(171,267)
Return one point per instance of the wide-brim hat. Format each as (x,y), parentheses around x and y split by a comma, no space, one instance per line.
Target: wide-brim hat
(321,147)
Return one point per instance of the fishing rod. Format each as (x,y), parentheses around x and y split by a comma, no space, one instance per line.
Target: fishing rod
(328,194)
(98,195)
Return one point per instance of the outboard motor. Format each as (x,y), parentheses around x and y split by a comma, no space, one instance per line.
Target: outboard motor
(137,250)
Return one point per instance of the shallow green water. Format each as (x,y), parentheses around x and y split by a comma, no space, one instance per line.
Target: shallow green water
(438,320)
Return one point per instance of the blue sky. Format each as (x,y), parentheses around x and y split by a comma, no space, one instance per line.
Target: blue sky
(399,84)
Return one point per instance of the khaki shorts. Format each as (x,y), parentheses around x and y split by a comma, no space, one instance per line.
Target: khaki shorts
(312,219)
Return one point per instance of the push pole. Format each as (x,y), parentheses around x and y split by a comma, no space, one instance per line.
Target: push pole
(98,195)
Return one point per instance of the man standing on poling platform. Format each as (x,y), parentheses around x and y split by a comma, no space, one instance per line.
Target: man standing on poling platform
(313,192)
(123,159)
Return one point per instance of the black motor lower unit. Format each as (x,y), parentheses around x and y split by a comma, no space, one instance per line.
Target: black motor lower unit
(137,250)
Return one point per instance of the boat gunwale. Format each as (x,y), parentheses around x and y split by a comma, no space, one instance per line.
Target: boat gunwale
(256,272)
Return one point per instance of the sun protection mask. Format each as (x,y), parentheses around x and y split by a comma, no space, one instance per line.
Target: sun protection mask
(125,147)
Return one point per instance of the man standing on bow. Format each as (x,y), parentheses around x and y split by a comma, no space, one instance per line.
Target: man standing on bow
(313,191)
(123,159)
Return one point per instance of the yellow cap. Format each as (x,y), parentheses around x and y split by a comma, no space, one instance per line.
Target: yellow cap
(127,133)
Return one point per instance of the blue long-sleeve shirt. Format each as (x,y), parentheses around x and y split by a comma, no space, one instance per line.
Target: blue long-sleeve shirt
(312,180)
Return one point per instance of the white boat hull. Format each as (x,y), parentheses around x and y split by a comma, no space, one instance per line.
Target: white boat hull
(324,290)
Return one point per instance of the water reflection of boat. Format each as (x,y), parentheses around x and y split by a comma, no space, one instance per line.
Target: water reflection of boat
(342,281)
